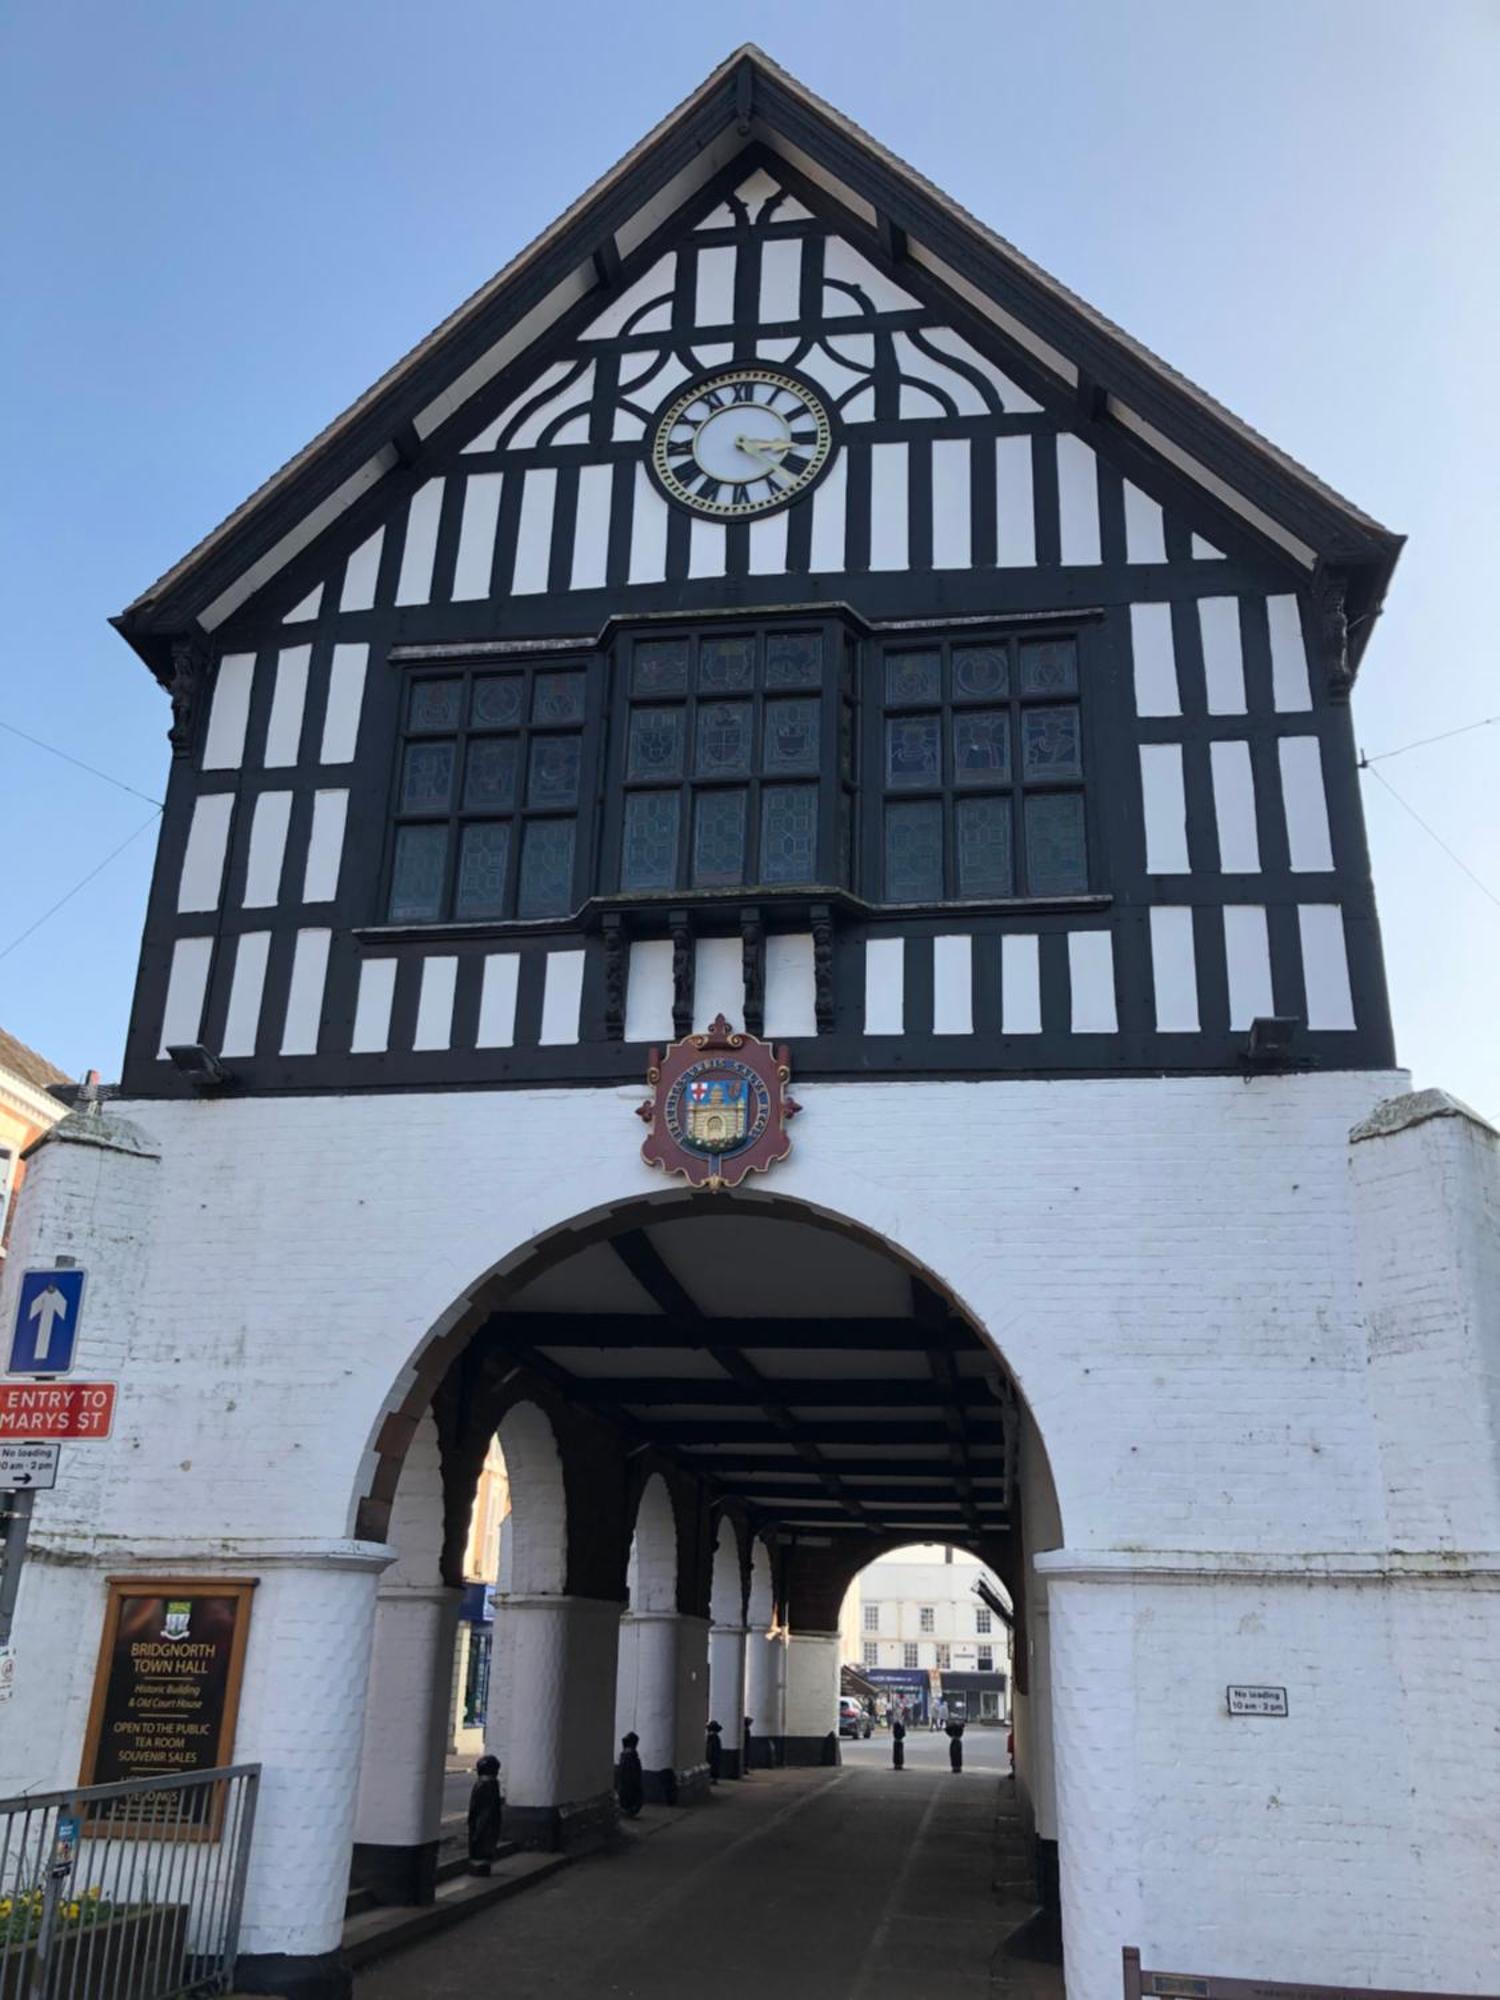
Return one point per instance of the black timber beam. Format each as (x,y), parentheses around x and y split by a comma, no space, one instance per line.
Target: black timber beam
(795,1392)
(927,1309)
(895,1336)
(816,1431)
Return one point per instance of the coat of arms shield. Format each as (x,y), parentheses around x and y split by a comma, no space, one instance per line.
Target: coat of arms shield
(720,1109)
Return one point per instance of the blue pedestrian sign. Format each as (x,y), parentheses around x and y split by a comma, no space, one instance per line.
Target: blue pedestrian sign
(45,1336)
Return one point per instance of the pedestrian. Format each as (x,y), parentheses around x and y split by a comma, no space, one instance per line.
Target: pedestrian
(1010,1748)
(630,1785)
(898,1743)
(713,1750)
(485,1809)
(955,1734)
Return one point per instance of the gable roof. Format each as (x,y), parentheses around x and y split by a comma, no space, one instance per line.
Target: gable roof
(28,1065)
(1115,382)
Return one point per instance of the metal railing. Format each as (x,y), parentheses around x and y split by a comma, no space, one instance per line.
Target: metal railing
(125,1892)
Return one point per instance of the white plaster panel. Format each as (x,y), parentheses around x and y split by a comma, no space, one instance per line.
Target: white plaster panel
(781,279)
(1155,660)
(1174,969)
(1223,662)
(1145,530)
(474,568)
(1077,500)
(414,584)
(1234,807)
(768,544)
(562,993)
(648,991)
(1305,803)
(714,296)
(242,1020)
(718,982)
(434,1028)
(497,1001)
(372,1008)
(1247,952)
(362,573)
(885,985)
(791,998)
(288,699)
(889,529)
(1015,506)
(648,531)
(1289,683)
(268,829)
(1164,804)
(534,535)
(591,529)
(1205,551)
(325,847)
(1325,966)
(187,987)
(953,985)
(706,548)
(828,525)
(224,743)
(844,264)
(304,1003)
(1020,985)
(202,880)
(1091,982)
(307,608)
(952,546)
(657,283)
(346,694)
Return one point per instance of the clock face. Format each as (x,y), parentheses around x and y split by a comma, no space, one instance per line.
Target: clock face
(741,442)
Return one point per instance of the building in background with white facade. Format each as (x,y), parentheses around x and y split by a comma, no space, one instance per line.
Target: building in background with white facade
(916,1626)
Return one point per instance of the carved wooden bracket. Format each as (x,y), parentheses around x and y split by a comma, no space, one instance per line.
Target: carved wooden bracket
(823,983)
(682,972)
(188,676)
(753,966)
(616,976)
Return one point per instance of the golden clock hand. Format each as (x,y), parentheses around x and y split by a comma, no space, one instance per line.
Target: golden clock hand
(756,447)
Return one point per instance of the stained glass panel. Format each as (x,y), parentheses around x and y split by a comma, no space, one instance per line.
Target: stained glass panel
(417,874)
(436,704)
(913,677)
(497,700)
(794,659)
(650,857)
(725,730)
(659,666)
(726,664)
(655,743)
(981,747)
(490,773)
(791,742)
(719,839)
(980,673)
(1049,743)
(558,698)
(546,869)
(427,778)
(983,829)
(483,854)
(1049,666)
(789,833)
(913,752)
(1056,856)
(553,777)
(914,852)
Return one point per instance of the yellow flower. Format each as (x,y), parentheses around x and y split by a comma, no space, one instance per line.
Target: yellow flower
(5,1906)
(93,1895)
(74,1910)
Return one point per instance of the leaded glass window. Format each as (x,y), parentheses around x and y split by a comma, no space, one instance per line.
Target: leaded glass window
(716,726)
(982,770)
(490,781)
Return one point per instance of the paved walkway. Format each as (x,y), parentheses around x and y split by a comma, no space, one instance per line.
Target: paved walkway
(859,1883)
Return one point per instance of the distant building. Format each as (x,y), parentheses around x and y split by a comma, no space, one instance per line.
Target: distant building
(476,1619)
(915,1626)
(27,1110)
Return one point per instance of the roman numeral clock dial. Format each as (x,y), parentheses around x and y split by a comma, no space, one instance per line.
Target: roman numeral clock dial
(740,442)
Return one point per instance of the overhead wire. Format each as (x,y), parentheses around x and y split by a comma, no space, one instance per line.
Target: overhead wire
(68,758)
(32,928)
(1368,764)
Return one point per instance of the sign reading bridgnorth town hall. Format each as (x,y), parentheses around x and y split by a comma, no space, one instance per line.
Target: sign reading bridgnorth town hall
(721,1107)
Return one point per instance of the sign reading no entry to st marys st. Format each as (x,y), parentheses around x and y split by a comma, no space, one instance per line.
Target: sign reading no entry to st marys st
(44,1338)
(36,1412)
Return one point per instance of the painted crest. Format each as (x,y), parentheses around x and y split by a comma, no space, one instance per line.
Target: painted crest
(720,1109)
(179,1619)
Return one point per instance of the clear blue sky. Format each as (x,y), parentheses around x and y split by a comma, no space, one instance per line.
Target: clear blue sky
(223,220)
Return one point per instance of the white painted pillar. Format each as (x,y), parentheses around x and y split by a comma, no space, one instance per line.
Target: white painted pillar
(812,1695)
(765,1689)
(661,1692)
(558,1760)
(727,1691)
(397,1821)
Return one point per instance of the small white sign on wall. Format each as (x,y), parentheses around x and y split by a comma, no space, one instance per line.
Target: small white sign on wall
(1256,1700)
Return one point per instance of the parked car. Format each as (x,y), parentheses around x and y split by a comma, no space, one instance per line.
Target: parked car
(854,1718)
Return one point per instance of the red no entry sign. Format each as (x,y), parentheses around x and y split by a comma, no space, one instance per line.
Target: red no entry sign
(35,1411)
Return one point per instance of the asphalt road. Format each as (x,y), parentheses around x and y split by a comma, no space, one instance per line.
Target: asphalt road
(854,1883)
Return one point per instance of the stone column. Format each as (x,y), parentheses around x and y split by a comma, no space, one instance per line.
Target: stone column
(812,1698)
(557,1716)
(662,1694)
(397,1825)
(765,1695)
(727,1691)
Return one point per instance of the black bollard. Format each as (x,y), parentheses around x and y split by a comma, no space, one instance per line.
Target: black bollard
(485,1808)
(630,1785)
(898,1745)
(956,1745)
(713,1750)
